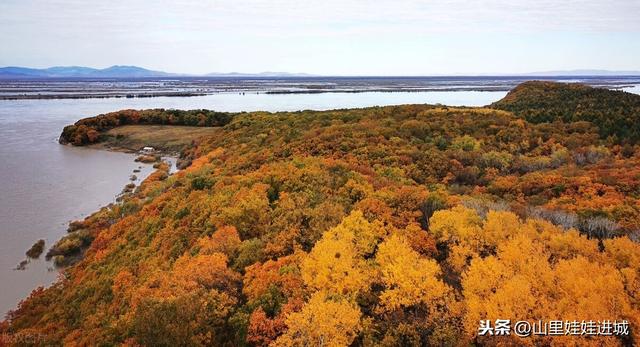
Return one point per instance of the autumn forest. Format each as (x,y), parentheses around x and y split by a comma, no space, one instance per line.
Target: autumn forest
(382,226)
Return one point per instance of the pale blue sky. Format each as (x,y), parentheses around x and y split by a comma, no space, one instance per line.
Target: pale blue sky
(331,37)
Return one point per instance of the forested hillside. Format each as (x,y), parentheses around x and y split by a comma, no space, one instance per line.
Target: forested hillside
(401,225)
(616,113)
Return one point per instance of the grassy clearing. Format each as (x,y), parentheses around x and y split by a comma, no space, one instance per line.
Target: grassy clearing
(167,138)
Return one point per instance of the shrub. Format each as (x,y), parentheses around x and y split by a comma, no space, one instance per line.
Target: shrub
(35,250)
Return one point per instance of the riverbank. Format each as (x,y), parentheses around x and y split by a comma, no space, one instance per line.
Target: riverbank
(40,204)
(162,146)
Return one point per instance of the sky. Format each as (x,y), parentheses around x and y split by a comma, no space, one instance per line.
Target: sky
(327,37)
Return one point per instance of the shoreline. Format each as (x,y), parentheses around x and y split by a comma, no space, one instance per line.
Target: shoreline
(57,255)
(97,96)
(242,91)
(43,272)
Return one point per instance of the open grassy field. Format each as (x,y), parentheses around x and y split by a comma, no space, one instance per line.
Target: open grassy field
(167,138)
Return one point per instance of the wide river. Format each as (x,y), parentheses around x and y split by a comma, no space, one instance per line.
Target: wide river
(44,185)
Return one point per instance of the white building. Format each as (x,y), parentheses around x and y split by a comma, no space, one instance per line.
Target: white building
(147,150)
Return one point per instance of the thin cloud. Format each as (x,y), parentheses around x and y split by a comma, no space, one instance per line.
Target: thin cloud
(222,32)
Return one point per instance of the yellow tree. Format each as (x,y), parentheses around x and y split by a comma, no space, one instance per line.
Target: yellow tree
(415,304)
(460,229)
(323,321)
(336,263)
(408,278)
(335,272)
(521,283)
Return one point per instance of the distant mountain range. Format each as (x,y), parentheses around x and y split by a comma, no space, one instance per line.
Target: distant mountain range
(123,71)
(116,71)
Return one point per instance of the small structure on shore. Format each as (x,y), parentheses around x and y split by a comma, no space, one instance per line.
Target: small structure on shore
(147,150)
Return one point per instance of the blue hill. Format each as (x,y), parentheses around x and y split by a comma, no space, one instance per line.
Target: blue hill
(116,71)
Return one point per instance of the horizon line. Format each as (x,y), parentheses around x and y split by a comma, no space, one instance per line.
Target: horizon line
(267,73)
